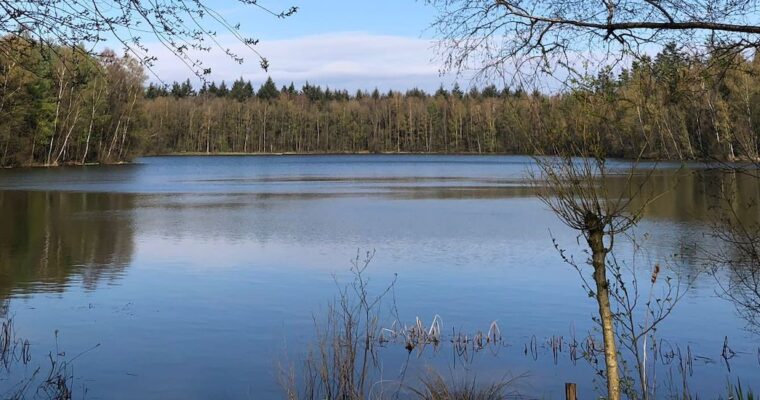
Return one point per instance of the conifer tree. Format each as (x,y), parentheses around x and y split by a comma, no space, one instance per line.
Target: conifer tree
(268,91)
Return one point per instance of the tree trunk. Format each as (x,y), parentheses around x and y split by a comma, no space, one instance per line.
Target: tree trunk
(598,260)
(57,111)
(66,139)
(95,101)
(5,153)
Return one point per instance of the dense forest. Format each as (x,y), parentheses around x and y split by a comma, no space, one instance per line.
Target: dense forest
(60,106)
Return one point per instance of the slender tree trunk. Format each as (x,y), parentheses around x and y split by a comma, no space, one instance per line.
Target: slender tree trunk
(130,110)
(89,135)
(5,153)
(57,111)
(92,120)
(113,139)
(66,139)
(247,127)
(208,137)
(751,142)
(599,262)
(263,148)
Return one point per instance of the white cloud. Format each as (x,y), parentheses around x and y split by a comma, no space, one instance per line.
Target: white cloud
(346,60)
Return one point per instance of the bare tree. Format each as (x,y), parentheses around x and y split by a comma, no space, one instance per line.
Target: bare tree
(574,189)
(181,26)
(527,38)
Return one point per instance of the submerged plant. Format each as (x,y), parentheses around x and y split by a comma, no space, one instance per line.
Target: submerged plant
(54,381)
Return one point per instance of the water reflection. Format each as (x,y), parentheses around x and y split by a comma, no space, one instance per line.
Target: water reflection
(50,239)
(696,195)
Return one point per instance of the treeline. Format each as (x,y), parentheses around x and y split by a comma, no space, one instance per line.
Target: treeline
(238,118)
(68,108)
(670,106)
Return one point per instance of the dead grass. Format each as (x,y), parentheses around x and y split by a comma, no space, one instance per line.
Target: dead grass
(436,387)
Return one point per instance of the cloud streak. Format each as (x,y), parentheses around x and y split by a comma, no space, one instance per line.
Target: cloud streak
(345,60)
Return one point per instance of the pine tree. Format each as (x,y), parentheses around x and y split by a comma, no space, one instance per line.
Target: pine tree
(268,91)
(241,90)
(457,92)
(441,92)
(187,89)
(490,91)
(223,91)
(212,89)
(152,91)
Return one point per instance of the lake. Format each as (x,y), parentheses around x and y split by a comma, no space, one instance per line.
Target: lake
(199,277)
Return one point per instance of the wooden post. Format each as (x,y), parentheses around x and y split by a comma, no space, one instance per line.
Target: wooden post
(570,391)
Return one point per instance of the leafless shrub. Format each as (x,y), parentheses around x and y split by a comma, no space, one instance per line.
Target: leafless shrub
(638,315)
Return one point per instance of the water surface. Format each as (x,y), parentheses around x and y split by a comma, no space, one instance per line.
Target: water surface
(197,276)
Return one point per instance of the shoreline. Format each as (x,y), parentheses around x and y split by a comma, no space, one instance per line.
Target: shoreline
(256,154)
(44,166)
(357,153)
(336,153)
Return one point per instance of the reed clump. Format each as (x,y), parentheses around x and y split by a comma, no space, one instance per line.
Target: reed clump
(436,387)
(344,361)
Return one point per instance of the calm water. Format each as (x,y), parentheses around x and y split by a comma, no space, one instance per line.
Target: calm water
(197,276)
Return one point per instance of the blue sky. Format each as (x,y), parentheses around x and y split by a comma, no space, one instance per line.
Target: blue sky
(338,43)
(408,18)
